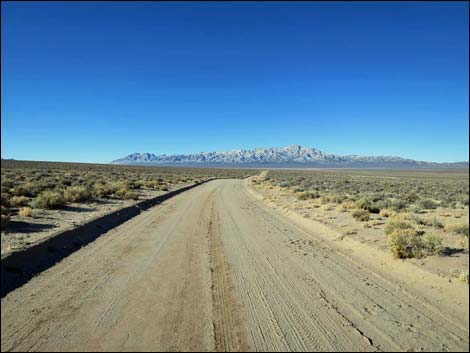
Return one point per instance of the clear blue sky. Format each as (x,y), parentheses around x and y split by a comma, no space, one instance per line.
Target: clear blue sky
(92,82)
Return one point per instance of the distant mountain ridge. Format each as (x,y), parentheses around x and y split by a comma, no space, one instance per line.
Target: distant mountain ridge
(290,156)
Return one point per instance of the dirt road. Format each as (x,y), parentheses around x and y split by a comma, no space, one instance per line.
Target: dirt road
(215,269)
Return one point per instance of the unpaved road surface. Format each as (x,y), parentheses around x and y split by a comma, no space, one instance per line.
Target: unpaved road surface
(215,269)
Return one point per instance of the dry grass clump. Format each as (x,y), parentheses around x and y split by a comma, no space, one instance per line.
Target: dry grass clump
(361,215)
(346,206)
(376,222)
(25,212)
(349,231)
(463,276)
(49,200)
(386,213)
(464,243)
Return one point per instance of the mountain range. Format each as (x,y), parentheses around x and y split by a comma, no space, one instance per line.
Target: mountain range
(282,157)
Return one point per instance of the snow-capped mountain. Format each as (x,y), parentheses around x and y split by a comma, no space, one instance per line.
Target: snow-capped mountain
(291,156)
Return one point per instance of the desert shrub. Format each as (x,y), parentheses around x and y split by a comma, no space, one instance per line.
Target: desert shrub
(411,197)
(25,212)
(405,243)
(126,194)
(431,244)
(4,220)
(375,207)
(415,209)
(431,222)
(361,215)
(5,200)
(118,185)
(49,200)
(66,182)
(19,200)
(5,211)
(306,195)
(365,203)
(463,199)
(8,183)
(77,194)
(5,191)
(27,189)
(398,221)
(101,190)
(427,204)
(398,205)
(333,198)
(130,195)
(120,193)
(380,205)
(151,184)
(136,184)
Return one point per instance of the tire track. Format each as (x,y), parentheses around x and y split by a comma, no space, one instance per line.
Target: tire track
(386,291)
(228,330)
(383,311)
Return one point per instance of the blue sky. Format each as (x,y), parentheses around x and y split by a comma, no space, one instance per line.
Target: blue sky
(92,82)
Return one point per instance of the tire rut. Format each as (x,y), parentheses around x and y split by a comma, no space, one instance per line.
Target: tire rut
(229,334)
